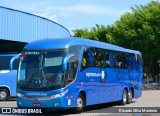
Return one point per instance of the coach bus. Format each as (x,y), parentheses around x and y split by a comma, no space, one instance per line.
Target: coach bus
(8,75)
(77,72)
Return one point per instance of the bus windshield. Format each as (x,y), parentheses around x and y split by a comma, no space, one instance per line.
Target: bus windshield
(41,70)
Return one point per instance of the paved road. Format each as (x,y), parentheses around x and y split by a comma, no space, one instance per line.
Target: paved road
(150,98)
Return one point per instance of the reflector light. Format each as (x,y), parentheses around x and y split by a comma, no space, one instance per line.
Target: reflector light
(22,55)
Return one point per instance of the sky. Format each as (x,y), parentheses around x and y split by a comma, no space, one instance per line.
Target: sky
(76,14)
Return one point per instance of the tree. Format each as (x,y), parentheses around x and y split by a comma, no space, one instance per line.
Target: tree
(138,30)
(98,33)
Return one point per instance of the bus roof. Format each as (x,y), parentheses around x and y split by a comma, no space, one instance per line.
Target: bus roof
(9,54)
(59,43)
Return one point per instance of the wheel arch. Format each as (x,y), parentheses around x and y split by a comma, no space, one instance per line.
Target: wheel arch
(6,88)
(125,88)
(83,93)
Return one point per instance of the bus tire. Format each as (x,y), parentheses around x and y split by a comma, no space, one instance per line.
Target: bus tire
(3,94)
(129,97)
(124,98)
(80,104)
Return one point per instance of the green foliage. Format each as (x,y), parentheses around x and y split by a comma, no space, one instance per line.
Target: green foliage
(138,30)
(99,33)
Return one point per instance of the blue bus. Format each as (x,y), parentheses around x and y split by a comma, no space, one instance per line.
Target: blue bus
(8,75)
(77,72)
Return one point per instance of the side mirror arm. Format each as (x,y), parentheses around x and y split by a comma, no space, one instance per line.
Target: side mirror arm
(65,61)
(12,60)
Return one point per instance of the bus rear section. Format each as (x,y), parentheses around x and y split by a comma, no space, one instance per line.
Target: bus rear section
(111,74)
(8,74)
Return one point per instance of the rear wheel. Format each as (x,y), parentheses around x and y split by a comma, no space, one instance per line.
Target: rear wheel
(129,98)
(3,95)
(80,104)
(124,98)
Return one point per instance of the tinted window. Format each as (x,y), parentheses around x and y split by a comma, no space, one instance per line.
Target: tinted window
(125,60)
(15,64)
(96,57)
(119,59)
(112,59)
(73,63)
(138,61)
(106,58)
(5,62)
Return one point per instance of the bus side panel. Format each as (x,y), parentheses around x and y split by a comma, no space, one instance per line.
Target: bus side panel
(113,82)
(13,84)
(9,80)
(138,83)
(91,84)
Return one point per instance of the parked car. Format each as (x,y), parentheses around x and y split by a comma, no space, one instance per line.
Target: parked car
(152,83)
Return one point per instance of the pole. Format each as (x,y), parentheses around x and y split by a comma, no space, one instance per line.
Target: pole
(156,81)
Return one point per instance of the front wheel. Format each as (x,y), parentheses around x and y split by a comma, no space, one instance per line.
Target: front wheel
(3,95)
(80,104)
(124,98)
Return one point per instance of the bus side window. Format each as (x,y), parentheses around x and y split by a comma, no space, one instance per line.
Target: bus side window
(91,57)
(106,59)
(129,59)
(119,60)
(5,62)
(138,61)
(112,59)
(125,60)
(85,59)
(133,61)
(98,57)
(15,64)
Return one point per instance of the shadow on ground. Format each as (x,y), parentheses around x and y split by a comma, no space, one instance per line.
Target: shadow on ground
(99,108)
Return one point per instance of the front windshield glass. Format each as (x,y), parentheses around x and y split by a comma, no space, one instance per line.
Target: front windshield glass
(41,70)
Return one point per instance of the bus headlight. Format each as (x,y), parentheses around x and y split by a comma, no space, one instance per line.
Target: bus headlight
(19,95)
(59,95)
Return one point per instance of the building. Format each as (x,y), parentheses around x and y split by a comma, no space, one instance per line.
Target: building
(18,28)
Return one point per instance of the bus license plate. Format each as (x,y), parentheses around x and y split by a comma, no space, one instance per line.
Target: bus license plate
(36,104)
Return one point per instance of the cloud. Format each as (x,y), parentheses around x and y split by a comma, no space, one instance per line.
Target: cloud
(84,9)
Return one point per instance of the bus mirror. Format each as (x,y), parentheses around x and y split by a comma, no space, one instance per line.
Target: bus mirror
(12,60)
(65,60)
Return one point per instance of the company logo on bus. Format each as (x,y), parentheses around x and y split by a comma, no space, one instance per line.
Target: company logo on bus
(102,74)
(37,94)
(93,74)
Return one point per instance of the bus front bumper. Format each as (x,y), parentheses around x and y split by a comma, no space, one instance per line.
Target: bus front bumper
(56,103)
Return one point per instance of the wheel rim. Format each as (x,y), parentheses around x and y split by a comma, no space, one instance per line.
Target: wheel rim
(130,96)
(3,95)
(124,97)
(79,103)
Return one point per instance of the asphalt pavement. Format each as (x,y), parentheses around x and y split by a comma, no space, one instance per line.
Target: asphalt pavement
(150,100)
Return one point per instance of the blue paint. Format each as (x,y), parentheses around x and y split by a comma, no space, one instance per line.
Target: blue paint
(100,84)
(8,76)
(25,27)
